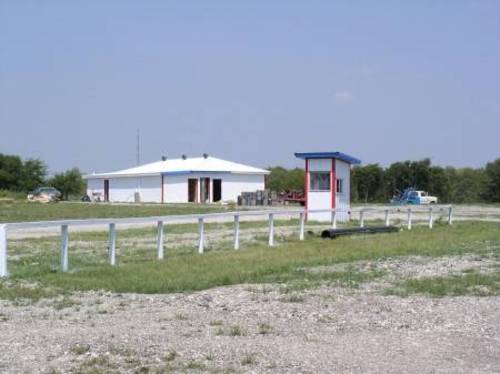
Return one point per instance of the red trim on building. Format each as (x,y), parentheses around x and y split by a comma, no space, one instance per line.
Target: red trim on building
(162,189)
(333,183)
(306,184)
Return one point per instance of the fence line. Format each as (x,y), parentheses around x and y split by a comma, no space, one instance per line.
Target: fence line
(162,220)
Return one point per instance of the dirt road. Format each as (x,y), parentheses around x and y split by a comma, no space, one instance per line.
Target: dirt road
(373,212)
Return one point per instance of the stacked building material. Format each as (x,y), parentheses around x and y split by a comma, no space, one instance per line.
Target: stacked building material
(255,198)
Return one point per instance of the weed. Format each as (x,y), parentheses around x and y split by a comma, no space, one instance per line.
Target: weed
(233,330)
(215,323)
(292,298)
(64,302)
(171,355)
(51,370)
(474,283)
(181,316)
(195,365)
(248,359)
(119,350)
(79,349)
(264,328)
(236,330)
(21,291)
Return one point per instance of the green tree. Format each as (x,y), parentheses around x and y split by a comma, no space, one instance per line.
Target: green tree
(441,183)
(11,168)
(281,179)
(69,182)
(492,188)
(368,181)
(468,186)
(398,177)
(33,174)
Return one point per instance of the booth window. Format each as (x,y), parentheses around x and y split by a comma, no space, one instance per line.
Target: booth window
(340,185)
(319,181)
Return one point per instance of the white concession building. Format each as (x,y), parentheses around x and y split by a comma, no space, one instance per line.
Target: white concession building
(201,179)
(328,183)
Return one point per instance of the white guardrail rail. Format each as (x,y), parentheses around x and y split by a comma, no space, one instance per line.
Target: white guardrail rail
(160,222)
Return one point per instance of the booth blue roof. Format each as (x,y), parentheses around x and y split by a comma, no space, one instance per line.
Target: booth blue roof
(338,155)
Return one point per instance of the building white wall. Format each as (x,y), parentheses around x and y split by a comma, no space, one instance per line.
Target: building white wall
(343,200)
(234,184)
(323,199)
(175,188)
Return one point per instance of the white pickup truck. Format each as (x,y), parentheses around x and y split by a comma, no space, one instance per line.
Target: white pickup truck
(421,197)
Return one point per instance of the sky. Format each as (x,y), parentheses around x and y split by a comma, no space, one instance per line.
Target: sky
(249,81)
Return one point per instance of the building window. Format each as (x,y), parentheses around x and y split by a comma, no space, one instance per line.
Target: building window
(319,181)
(340,185)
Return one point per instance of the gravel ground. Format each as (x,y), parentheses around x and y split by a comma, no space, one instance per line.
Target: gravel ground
(259,329)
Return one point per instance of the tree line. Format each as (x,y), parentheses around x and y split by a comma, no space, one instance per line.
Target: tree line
(369,183)
(18,175)
(375,184)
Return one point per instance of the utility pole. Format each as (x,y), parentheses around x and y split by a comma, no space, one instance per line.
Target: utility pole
(138,160)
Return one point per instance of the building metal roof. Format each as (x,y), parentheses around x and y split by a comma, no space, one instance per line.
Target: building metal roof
(338,155)
(182,166)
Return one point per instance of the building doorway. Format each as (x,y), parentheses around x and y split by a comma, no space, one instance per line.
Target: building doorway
(106,190)
(205,190)
(217,187)
(192,190)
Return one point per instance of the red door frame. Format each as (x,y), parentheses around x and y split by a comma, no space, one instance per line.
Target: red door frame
(306,183)
(333,183)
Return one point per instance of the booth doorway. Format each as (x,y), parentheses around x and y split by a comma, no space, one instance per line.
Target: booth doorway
(217,187)
(106,190)
(192,190)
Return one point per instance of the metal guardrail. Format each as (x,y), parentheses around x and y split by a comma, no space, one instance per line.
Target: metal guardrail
(160,222)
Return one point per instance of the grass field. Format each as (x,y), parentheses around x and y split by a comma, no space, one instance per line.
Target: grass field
(23,211)
(36,261)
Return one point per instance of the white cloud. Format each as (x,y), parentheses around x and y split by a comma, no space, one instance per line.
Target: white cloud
(343,97)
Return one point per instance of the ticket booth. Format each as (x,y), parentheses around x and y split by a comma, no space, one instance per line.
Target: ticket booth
(328,183)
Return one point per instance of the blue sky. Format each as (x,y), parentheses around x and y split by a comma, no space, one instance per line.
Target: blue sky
(249,81)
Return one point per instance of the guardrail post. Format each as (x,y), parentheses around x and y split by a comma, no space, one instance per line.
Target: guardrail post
(450,216)
(409,218)
(64,247)
(387,222)
(3,251)
(201,232)
(236,231)
(112,244)
(334,219)
(302,223)
(159,240)
(361,218)
(271,229)
(431,220)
